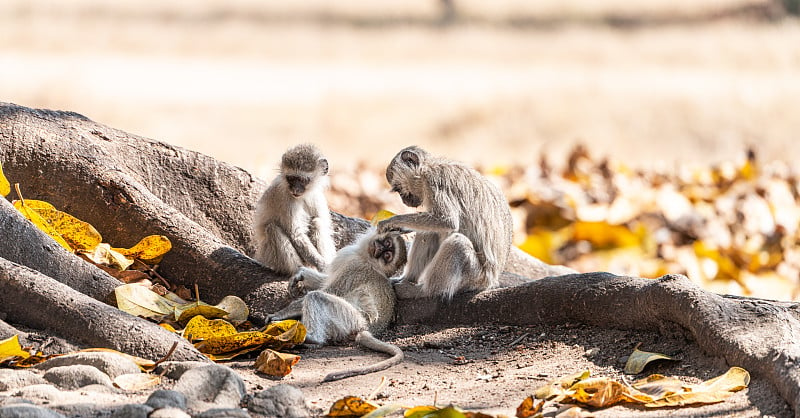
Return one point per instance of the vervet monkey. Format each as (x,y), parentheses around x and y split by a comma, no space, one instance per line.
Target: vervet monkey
(352,298)
(465,235)
(292,221)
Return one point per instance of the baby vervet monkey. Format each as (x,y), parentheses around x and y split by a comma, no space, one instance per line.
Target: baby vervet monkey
(292,221)
(352,298)
(463,237)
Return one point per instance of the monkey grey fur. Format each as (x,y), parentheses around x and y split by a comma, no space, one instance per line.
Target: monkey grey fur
(354,297)
(465,235)
(292,221)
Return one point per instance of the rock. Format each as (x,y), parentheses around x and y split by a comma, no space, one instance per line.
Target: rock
(132,411)
(45,392)
(280,401)
(109,363)
(176,369)
(74,377)
(27,411)
(169,413)
(164,398)
(224,413)
(211,386)
(15,379)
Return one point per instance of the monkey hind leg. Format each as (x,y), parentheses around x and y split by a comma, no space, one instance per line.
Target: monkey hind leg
(454,268)
(292,311)
(277,251)
(366,339)
(423,249)
(329,318)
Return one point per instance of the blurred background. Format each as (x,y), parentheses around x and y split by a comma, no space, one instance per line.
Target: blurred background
(664,97)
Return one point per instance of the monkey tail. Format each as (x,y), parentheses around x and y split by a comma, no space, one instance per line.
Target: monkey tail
(367,340)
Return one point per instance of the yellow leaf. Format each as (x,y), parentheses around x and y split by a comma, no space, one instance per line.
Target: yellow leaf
(735,379)
(236,308)
(107,256)
(234,342)
(289,332)
(658,386)
(137,381)
(381,215)
(200,328)
(79,234)
(557,387)
(711,391)
(598,392)
(185,312)
(542,243)
(274,363)
(232,354)
(419,411)
(351,406)
(425,412)
(141,301)
(10,349)
(149,249)
(638,360)
(529,407)
(167,327)
(5,186)
(33,216)
(603,235)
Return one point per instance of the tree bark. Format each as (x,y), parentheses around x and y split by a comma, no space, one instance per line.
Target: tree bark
(31,298)
(129,187)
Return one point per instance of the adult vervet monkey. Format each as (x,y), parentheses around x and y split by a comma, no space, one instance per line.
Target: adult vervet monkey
(292,221)
(463,237)
(354,297)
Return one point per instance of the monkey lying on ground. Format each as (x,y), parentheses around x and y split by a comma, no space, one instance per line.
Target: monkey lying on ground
(465,235)
(292,221)
(354,297)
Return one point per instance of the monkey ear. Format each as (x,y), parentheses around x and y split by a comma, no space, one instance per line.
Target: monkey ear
(411,158)
(323,165)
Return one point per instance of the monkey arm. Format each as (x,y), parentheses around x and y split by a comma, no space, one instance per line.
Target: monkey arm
(304,280)
(305,249)
(422,221)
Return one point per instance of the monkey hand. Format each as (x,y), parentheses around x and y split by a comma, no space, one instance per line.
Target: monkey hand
(407,290)
(389,225)
(297,285)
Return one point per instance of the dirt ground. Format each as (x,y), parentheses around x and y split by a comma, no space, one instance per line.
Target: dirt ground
(492,369)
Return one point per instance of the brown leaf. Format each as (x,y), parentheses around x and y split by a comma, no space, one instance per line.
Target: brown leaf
(274,363)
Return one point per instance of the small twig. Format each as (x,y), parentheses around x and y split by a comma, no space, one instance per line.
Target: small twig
(520,338)
(153,272)
(196,292)
(19,193)
(169,353)
(377,389)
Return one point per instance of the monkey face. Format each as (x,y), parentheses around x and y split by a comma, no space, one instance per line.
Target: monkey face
(297,184)
(389,250)
(409,199)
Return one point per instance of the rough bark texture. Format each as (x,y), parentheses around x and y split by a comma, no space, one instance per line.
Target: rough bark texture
(38,301)
(129,187)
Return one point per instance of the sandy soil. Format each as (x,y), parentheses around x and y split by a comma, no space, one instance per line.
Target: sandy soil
(492,369)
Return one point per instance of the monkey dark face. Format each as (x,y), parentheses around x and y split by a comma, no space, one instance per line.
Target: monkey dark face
(389,250)
(411,200)
(297,184)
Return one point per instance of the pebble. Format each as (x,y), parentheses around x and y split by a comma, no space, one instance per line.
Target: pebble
(78,386)
(112,364)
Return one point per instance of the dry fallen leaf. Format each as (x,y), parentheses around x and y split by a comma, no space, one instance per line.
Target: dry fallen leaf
(273,363)
(529,407)
(10,349)
(638,360)
(200,328)
(5,186)
(149,249)
(137,381)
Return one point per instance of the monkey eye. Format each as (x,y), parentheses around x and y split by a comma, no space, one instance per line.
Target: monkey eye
(387,243)
(387,256)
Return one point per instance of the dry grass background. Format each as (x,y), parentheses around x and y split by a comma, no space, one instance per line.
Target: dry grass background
(242,80)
